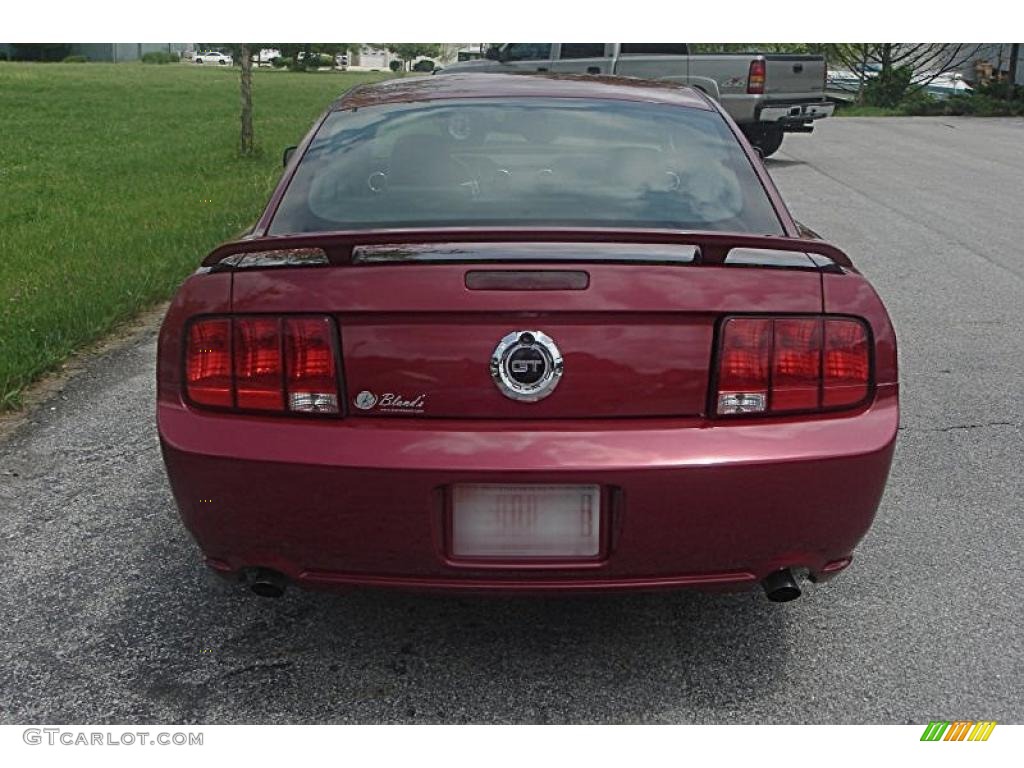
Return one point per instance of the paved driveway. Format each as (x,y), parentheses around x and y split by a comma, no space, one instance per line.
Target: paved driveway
(107,614)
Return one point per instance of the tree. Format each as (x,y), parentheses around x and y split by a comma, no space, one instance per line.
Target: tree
(923,61)
(311,51)
(247,143)
(242,54)
(408,52)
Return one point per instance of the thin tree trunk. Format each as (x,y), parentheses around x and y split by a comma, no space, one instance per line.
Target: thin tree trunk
(862,76)
(1014,56)
(886,71)
(247,145)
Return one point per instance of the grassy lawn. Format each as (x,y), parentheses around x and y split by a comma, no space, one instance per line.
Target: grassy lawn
(115,180)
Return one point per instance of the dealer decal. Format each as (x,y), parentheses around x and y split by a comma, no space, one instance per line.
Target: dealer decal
(389,402)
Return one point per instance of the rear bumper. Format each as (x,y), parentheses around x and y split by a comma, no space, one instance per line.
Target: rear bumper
(363,502)
(777,107)
(795,113)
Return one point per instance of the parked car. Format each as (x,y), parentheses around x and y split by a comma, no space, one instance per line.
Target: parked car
(213,57)
(533,334)
(769,95)
(266,56)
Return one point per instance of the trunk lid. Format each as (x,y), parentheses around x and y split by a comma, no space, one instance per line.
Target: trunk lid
(634,325)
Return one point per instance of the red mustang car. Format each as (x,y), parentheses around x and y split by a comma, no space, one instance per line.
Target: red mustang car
(520,333)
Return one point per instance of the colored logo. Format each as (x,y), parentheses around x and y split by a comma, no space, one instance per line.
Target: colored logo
(958,730)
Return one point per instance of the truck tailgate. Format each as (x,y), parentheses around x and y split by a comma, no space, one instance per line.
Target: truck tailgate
(794,76)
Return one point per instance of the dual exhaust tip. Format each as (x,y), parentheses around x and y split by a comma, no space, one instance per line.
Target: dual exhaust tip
(780,586)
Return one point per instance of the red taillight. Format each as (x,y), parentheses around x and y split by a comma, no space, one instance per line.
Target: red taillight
(743,369)
(208,363)
(796,364)
(847,366)
(312,377)
(258,374)
(755,77)
(263,363)
(780,365)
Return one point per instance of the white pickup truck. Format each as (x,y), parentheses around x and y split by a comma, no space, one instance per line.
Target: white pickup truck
(767,94)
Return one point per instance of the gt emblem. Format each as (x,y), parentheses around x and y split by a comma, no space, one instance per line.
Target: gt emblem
(526,366)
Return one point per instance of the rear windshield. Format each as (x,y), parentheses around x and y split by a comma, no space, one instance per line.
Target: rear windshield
(522,163)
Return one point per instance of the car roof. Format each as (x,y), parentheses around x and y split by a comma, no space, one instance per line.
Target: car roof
(527,85)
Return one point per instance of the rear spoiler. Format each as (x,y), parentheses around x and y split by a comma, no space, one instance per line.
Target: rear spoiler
(472,244)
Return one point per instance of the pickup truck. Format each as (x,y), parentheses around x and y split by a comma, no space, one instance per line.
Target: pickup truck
(768,95)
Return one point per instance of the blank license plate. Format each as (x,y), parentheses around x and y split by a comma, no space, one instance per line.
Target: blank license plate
(517,521)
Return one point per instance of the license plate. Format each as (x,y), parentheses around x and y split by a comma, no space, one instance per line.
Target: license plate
(524,521)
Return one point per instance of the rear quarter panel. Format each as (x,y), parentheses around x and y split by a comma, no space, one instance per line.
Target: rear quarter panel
(200,294)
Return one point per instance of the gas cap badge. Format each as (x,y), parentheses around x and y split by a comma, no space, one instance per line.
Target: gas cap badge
(526,366)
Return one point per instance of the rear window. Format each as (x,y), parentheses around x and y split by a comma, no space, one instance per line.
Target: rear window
(654,49)
(522,163)
(581,51)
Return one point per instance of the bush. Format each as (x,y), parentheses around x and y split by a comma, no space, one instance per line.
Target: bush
(1000,89)
(3,55)
(423,65)
(889,88)
(160,57)
(395,66)
(980,103)
(280,61)
(76,59)
(40,51)
(917,102)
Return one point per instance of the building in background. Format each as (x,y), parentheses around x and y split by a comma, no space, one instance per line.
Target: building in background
(368,59)
(988,61)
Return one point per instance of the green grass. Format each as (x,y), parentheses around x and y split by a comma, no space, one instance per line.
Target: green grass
(115,180)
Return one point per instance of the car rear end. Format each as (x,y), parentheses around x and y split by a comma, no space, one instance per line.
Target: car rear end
(523,407)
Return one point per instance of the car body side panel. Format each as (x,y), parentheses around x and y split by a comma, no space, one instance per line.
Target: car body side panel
(852,294)
(201,293)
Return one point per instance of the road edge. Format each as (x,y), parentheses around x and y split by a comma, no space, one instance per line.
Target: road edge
(51,385)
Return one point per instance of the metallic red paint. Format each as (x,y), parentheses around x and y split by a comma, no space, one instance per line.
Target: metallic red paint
(690,500)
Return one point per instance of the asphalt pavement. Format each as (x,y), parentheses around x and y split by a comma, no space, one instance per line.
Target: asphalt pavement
(107,614)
